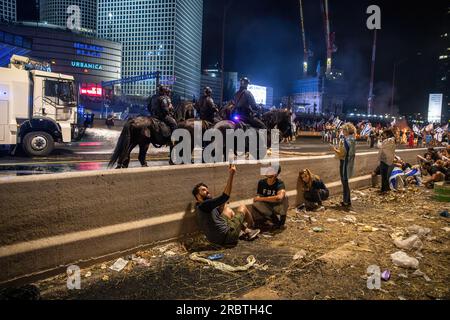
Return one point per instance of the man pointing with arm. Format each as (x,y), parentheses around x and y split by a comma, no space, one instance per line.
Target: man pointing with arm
(218,222)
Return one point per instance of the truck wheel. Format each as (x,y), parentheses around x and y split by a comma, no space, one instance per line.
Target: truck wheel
(38,143)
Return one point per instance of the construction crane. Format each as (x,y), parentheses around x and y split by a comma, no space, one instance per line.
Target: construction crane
(328,38)
(305,49)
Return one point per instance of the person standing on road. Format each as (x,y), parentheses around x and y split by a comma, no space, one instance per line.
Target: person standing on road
(346,155)
(386,156)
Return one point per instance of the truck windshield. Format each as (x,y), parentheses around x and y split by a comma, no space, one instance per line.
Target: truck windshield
(59,92)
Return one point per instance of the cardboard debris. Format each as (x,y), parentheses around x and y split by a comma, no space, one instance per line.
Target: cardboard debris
(299,255)
(119,265)
(401,259)
(349,219)
(412,242)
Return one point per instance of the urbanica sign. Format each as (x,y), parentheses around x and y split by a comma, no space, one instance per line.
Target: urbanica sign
(85,65)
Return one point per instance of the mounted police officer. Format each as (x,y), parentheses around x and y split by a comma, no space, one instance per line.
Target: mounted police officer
(206,107)
(245,106)
(153,106)
(161,106)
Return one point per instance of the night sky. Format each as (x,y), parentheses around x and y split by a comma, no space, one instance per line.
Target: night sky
(263,41)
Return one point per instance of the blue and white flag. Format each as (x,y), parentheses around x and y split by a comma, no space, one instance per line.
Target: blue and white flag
(414,172)
(395,176)
(416,129)
(337,122)
(367,130)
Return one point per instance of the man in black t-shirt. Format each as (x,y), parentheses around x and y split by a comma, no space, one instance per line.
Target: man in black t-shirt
(271,203)
(218,222)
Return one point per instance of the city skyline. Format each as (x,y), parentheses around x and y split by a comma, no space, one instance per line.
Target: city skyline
(273,51)
(150,32)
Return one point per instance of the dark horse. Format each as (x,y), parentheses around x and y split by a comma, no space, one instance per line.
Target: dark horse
(275,119)
(142,131)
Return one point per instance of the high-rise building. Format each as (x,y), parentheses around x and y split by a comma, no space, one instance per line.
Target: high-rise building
(320,94)
(157,35)
(57,12)
(443,80)
(212,78)
(8,10)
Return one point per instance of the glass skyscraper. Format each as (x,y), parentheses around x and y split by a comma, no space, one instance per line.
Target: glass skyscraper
(157,35)
(8,10)
(443,81)
(55,12)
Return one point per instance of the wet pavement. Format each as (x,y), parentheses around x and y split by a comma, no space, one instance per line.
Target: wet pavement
(93,152)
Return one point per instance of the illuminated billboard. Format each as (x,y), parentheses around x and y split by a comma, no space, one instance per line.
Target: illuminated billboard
(91,90)
(259,92)
(435,107)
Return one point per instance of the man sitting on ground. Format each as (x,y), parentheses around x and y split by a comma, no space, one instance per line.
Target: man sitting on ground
(217,221)
(438,172)
(271,200)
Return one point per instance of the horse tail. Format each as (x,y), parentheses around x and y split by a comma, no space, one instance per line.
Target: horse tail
(122,144)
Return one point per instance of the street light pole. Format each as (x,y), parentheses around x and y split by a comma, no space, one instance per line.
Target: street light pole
(393,89)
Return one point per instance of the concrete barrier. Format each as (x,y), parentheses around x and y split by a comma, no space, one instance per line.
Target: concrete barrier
(51,221)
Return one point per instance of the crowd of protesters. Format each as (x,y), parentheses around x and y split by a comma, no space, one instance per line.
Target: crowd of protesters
(224,226)
(411,135)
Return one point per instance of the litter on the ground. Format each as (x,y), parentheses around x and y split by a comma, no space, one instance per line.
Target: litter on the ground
(216,256)
(299,255)
(222,266)
(420,231)
(119,265)
(401,259)
(412,242)
(349,219)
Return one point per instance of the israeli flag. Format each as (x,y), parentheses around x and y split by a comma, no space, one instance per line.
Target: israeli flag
(367,130)
(414,172)
(396,174)
(337,122)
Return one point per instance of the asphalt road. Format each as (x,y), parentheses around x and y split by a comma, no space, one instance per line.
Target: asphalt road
(93,152)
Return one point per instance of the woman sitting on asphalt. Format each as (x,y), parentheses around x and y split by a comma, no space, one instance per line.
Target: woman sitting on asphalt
(313,189)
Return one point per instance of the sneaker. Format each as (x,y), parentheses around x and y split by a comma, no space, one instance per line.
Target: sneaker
(252,234)
(301,208)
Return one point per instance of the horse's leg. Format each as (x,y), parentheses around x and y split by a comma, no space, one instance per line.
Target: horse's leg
(143,148)
(126,161)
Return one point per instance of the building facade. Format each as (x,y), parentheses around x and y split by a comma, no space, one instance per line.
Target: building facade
(8,10)
(88,59)
(57,12)
(443,79)
(212,78)
(320,94)
(157,35)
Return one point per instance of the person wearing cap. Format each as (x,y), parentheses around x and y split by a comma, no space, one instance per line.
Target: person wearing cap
(271,202)
(206,107)
(245,106)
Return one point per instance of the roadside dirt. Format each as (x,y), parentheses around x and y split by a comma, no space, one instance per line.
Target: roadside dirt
(331,263)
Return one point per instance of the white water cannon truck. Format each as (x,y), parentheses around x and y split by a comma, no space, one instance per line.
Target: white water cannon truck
(37,107)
